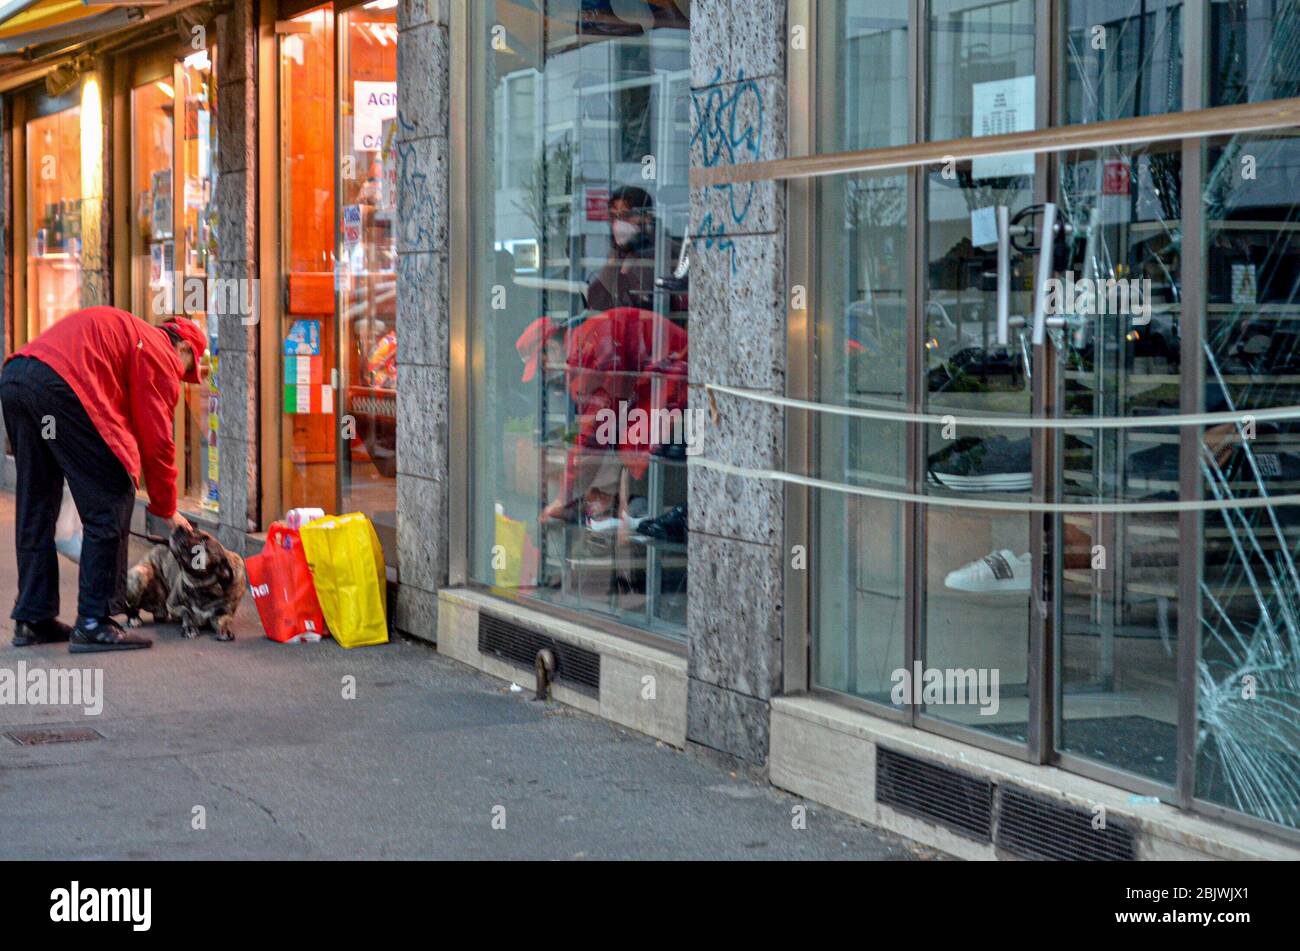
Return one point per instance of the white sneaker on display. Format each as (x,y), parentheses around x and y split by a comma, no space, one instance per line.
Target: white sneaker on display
(998,571)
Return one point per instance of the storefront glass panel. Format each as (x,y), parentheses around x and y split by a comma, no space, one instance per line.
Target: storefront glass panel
(579,314)
(153,238)
(862,353)
(1248,676)
(197,245)
(1155,650)
(978,565)
(1253,51)
(367,256)
(981,62)
(1122,59)
(54,190)
(307,199)
(172,234)
(862,345)
(1118,643)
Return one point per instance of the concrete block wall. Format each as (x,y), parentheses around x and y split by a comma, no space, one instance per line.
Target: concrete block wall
(237,220)
(737,328)
(423,312)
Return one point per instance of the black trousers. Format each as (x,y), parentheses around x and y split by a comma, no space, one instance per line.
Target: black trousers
(53,439)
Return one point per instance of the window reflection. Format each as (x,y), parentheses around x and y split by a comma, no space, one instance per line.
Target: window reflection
(580,329)
(1253,53)
(1123,59)
(54,218)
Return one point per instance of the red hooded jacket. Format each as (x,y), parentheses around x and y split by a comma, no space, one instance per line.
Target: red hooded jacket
(127,375)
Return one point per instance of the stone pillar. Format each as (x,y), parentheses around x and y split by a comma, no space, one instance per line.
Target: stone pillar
(237,347)
(737,331)
(423,311)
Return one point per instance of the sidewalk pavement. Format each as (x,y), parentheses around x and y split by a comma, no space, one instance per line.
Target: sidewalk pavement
(260,736)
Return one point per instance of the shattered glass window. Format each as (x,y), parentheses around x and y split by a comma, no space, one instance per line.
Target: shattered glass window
(1118,642)
(1123,58)
(1254,51)
(1248,696)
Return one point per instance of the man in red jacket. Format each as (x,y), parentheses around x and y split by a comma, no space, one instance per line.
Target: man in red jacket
(91,401)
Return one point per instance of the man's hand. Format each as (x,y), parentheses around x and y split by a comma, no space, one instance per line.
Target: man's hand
(179,521)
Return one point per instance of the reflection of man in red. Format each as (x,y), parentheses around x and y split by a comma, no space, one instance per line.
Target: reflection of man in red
(621,360)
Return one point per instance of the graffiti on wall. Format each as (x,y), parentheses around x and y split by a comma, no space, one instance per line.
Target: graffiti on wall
(729,125)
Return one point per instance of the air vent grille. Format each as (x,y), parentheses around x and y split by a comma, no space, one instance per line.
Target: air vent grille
(575,667)
(1038,828)
(953,799)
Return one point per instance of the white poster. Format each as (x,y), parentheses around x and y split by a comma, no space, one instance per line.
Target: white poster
(1000,107)
(372,103)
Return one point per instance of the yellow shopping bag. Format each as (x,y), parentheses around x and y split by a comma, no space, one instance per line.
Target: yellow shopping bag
(347,568)
(508,557)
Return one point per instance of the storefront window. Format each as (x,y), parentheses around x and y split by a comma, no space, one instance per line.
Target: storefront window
(172,235)
(198,240)
(1087,617)
(978,572)
(1123,59)
(862,337)
(367,255)
(338,241)
(1252,51)
(54,191)
(1248,683)
(579,316)
(153,240)
(307,105)
(981,61)
(1118,641)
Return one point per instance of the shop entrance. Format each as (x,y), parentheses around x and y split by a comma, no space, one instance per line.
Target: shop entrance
(338,317)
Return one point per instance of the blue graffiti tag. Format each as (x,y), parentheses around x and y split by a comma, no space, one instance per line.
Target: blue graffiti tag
(415,200)
(728,128)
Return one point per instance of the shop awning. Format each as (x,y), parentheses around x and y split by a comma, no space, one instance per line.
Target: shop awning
(25,23)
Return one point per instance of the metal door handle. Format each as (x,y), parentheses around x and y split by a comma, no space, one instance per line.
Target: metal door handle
(1044,274)
(1004,275)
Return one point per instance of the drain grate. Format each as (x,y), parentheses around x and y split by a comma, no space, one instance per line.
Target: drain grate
(1038,828)
(575,667)
(929,791)
(47,736)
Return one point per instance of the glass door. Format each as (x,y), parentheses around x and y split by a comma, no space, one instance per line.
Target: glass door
(367,259)
(307,321)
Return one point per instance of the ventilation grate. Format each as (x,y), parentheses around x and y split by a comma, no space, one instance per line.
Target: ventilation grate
(575,667)
(46,737)
(1038,828)
(953,799)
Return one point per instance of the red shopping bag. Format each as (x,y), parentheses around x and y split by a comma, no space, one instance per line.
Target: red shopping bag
(282,589)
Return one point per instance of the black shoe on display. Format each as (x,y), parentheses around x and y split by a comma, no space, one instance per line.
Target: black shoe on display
(95,635)
(49,631)
(972,464)
(669,527)
(599,19)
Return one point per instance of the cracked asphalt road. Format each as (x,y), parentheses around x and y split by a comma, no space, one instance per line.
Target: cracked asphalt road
(259,738)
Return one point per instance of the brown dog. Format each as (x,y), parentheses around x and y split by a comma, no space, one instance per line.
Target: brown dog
(192,579)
